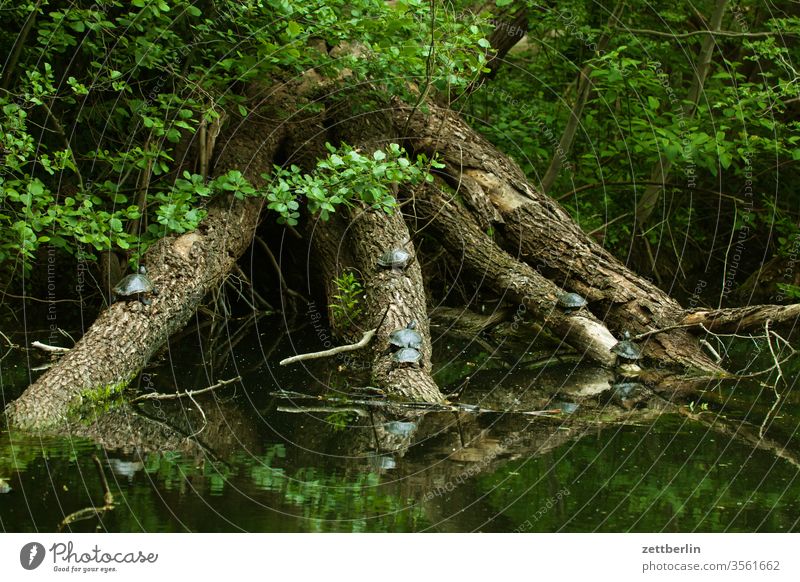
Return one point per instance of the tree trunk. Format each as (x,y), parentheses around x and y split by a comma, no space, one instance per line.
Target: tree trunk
(533,227)
(354,240)
(183,269)
(584,89)
(487,262)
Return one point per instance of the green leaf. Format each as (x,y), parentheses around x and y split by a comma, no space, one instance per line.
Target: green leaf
(293,29)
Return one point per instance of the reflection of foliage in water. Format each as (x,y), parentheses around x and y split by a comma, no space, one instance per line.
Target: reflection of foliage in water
(353,502)
(690,481)
(173,470)
(341,502)
(18,452)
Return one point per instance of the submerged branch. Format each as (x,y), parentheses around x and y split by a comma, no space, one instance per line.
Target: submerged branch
(89,512)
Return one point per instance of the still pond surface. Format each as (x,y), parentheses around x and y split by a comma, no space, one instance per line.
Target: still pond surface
(249,457)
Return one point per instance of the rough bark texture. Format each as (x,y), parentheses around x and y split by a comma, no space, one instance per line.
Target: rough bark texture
(183,268)
(484,260)
(536,229)
(402,291)
(743,319)
(354,242)
(353,239)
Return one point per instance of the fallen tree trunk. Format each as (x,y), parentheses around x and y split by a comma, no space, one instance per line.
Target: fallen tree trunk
(533,227)
(183,268)
(353,240)
(484,260)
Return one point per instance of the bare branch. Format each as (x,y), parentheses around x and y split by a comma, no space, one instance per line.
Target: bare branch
(191,393)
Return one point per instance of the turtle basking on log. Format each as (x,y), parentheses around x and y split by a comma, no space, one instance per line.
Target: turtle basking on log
(395,259)
(134,288)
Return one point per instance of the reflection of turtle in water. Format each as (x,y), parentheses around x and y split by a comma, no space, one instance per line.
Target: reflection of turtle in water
(395,259)
(406,337)
(134,288)
(629,395)
(570,302)
(407,357)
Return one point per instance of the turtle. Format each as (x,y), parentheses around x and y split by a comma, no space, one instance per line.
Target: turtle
(400,428)
(626,350)
(625,389)
(571,302)
(406,337)
(396,258)
(407,356)
(134,287)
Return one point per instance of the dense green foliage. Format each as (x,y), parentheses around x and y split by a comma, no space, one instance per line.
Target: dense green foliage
(734,159)
(98,99)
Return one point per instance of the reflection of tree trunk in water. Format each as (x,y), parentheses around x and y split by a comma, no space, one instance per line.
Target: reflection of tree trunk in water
(173,427)
(456,447)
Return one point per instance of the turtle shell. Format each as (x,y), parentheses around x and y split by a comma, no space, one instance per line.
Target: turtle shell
(395,259)
(626,349)
(571,301)
(407,356)
(400,428)
(626,389)
(406,337)
(134,284)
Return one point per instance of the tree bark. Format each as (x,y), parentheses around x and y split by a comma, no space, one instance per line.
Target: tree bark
(534,228)
(744,319)
(486,261)
(183,269)
(354,240)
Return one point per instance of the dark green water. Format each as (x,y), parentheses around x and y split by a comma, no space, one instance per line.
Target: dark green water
(253,467)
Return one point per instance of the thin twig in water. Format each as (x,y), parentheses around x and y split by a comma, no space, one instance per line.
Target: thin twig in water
(277,267)
(253,291)
(8,341)
(711,349)
(89,512)
(239,293)
(328,409)
(202,413)
(191,393)
(771,351)
(771,411)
